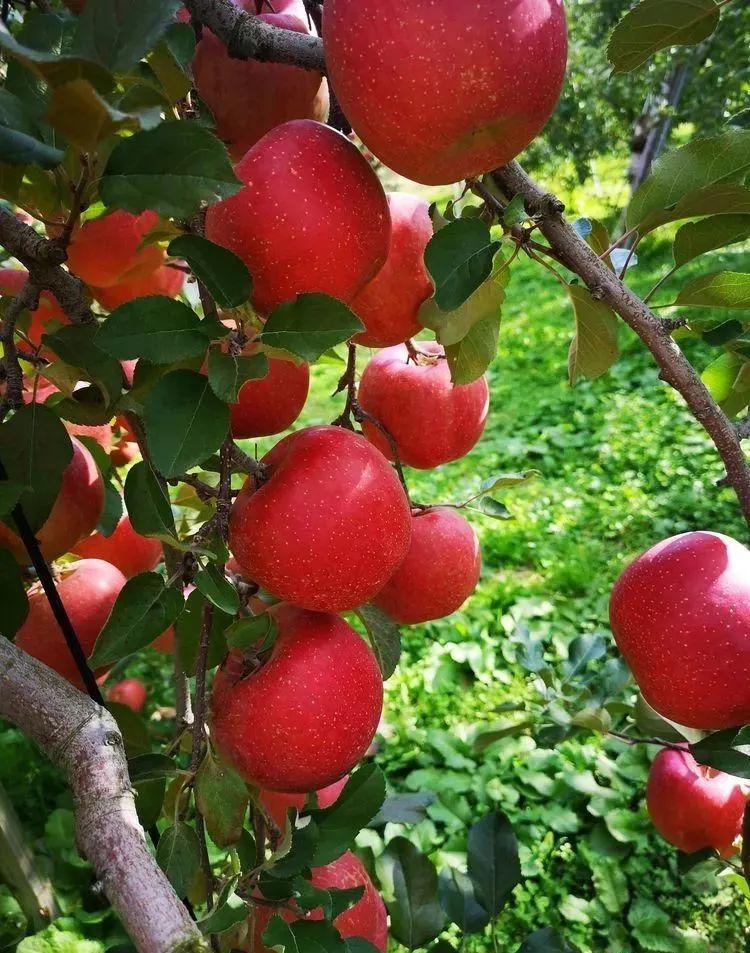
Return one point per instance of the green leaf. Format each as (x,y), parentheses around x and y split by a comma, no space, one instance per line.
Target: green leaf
(718,231)
(403,809)
(303,936)
(54,68)
(35,449)
(227,374)
(148,505)
(494,868)
(245,633)
(594,349)
(10,494)
(495,509)
(224,274)
(721,289)
(113,509)
(157,328)
(218,589)
(179,856)
(78,346)
(611,883)
(358,803)
(724,751)
(310,326)
(416,915)
(188,630)
(13,599)
(515,212)
(132,728)
(150,767)
(457,899)
(21,140)
(385,638)
(185,422)
(470,358)
(171,169)
(118,33)
(720,375)
(459,258)
(222,798)
(84,118)
(655,25)
(228,910)
(144,609)
(300,854)
(546,941)
(506,480)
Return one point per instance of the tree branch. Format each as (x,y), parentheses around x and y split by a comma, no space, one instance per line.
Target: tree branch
(84,740)
(675,369)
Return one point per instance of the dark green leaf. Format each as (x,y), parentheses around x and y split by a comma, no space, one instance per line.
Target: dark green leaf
(385,638)
(188,629)
(303,936)
(144,609)
(721,289)
(546,941)
(185,422)
(224,274)
(78,346)
(222,798)
(722,750)
(583,650)
(227,374)
(179,856)
(14,605)
(149,799)
(56,69)
(403,809)
(457,899)
(594,349)
(157,328)
(355,807)
(132,728)
(310,326)
(493,862)
(416,915)
(718,231)
(459,259)
(654,25)
(113,509)
(228,911)
(171,169)
(118,33)
(147,502)
(358,944)
(301,852)
(150,767)
(216,587)
(10,494)
(20,139)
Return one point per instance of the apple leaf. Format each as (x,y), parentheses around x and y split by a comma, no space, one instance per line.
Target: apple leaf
(228,910)
(457,898)
(179,856)
(546,941)
(218,589)
(416,914)
(459,258)
(472,355)
(188,630)
(724,751)
(150,767)
(595,348)
(718,231)
(300,854)
(84,118)
(21,140)
(385,638)
(721,289)
(227,374)
(118,33)
(338,825)
(144,609)
(303,936)
(53,68)
(148,505)
(13,597)
(493,864)
(222,798)
(156,328)
(654,25)
(224,274)
(310,326)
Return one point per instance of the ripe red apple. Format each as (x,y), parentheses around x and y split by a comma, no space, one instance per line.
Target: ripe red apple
(163,280)
(366,918)
(309,199)
(248,98)
(389,305)
(308,714)
(680,614)
(440,572)
(692,806)
(441,90)
(124,548)
(75,512)
(12,281)
(272,403)
(432,421)
(105,251)
(329,526)
(130,692)
(277,804)
(88,590)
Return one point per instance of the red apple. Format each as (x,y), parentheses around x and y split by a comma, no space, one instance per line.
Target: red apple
(329,526)
(124,548)
(441,91)
(440,572)
(694,807)
(389,305)
(680,614)
(12,281)
(366,918)
(125,448)
(277,804)
(248,98)
(163,280)
(105,251)
(308,714)
(309,199)
(432,421)
(272,403)
(75,512)
(130,692)
(88,590)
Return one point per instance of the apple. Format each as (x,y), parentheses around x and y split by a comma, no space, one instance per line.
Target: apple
(389,305)
(124,548)
(307,715)
(366,918)
(440,572)
(74,514)
(105,251)
(248,98)
(692,806)
(12,281)
(432,421)
(272,403)
(441,91)
(328,527)
(130,692)
(125,448)
(680,614)
(88,590)
(164,280)
(277,803)
(309,199)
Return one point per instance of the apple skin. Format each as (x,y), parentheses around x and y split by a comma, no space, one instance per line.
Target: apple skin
(130,692)
(366,918)
(105,250)
(272,403)
(277,803)
(680,614)
(74,514)
(440,572)
(440,90)
(88,590)
(389,305)
(124,548)
(330,525)
(163,280)
(248,98)
(307,716)
(694,807)
(432,421)
(309,199)
(12,281)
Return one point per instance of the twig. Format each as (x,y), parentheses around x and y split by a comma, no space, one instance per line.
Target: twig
(204,491)
(348,383)
(361,416)
(26,300)
(199,707)
(630,740)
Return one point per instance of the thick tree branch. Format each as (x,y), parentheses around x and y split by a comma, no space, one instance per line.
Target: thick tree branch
(84,740)
(675,368)
(248,38)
